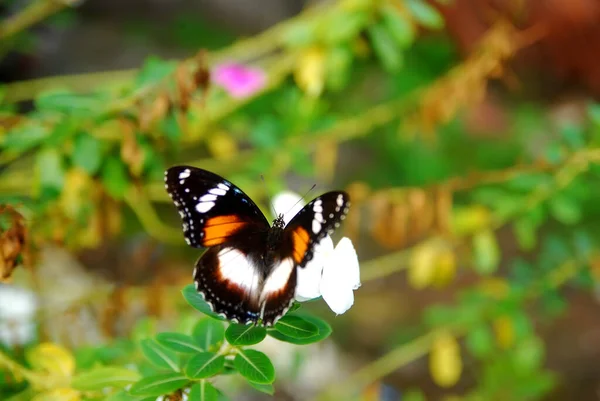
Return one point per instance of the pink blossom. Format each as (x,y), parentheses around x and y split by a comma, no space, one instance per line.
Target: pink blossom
(238,80)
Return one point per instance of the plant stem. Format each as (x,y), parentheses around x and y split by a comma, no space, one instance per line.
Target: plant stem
(31,15)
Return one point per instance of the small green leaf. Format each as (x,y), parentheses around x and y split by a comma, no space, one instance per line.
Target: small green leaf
(529,354)
(526,233)
(425,14)
(159,355)
(324,331)
(115,177)
(102,377)
(87,153)
(480,340)
(178,342)
(159,384)
(66,102)
(342,27)
(196,301)
(239,334)
(296,327)
(204,364)
(295,306)
(565,209)
(203,391)
(385,48)
(254,366)
(208,333)
(299,34)
(51,169)
(154,71)
(486,252)
(263,388)
(399,27)
(125,396)
(24,137)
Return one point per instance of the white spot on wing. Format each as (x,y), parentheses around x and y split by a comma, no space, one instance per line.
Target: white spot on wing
(316,226)
(223,187)
(204,207)
(208,198)
(340,200)
(278,279)
(217,191)
(184,174)
(236,268)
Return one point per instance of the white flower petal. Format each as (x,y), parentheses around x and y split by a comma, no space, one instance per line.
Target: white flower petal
(345,256)
(309,277)
(308,282)
(339,297)
(287,203)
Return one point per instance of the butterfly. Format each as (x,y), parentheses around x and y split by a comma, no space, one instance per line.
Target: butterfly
(248,273)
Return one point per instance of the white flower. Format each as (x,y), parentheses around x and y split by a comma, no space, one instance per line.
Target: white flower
(17,315)
(333,273)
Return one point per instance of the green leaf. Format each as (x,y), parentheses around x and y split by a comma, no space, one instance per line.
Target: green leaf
(196,301)
(204,364)
(159,384)
(254,366)
(178,342)
(565,209)
(296,327)
(102,377)
(208,333)
(263,388)
(342,27)
(239,334)
(76,104)
(324,331)
(115,177)
(529,354)
(526,233)
(24,137)
(154,71)
(399,27)
(486,252)
(87,153)
(299,35)
(480,340)
(573,135)
(425,14)
(385,48)
(295,306)
(159,355)
(51,169)
(203,391)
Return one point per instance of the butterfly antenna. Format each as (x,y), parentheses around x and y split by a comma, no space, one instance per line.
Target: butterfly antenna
(301,198)
(262,177)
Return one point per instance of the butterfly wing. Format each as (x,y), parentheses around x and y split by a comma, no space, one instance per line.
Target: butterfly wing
(316,220)
(213,210)
(218,215)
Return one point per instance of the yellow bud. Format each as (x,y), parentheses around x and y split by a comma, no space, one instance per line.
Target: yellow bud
(422,265)
(445,267)
(470,219)
(445,363)
(58,394)
(310,71)
(52,358)
(76,193)
(505,332)
(222,146)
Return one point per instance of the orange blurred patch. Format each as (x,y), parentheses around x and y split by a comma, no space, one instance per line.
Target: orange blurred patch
(300,238)
(218,229)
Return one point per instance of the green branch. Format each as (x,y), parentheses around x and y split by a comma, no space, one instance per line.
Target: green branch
(31,15)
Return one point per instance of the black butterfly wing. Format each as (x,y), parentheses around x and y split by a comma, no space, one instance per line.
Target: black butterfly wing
(317,219)
(212,209)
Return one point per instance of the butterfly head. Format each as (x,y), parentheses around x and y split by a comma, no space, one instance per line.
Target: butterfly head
(279,222)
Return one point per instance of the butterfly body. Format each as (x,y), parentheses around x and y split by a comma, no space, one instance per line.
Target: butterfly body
(249,271)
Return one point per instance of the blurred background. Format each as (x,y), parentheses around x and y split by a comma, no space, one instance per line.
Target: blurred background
(465,132)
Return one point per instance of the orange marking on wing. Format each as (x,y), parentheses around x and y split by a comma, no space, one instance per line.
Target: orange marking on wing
(300,238)
(218,229)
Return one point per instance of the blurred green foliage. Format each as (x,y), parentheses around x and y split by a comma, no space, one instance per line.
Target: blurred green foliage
(359,94)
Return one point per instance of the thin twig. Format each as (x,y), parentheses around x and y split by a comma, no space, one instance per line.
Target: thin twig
(31,15)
